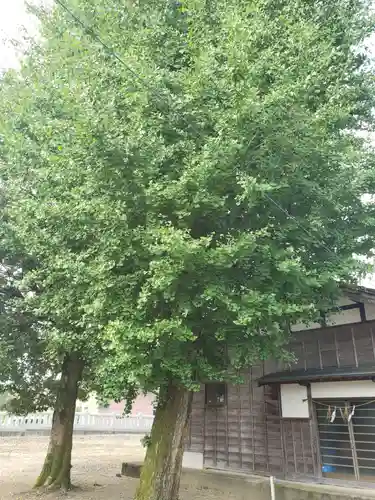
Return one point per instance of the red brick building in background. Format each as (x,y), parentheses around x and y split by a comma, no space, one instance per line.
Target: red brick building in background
(143,405)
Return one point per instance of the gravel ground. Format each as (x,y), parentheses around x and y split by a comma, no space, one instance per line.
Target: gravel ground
(96,461)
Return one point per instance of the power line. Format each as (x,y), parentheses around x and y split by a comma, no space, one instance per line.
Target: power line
(142,81)
(91,32)
(290,216)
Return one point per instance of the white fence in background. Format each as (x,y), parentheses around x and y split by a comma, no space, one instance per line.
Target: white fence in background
(84,422)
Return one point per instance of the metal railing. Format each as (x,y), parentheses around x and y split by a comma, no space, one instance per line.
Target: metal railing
(84,422)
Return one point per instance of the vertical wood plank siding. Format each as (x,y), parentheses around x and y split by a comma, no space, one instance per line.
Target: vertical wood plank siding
(248,434)
(195,439)
(339,346)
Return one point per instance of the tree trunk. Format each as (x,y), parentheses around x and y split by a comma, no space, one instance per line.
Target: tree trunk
(56,469)
(161,471)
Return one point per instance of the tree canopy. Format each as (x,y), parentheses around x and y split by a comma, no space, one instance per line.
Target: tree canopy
(194,184)
(197,188)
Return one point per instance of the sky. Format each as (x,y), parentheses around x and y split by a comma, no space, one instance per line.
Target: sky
(15,22)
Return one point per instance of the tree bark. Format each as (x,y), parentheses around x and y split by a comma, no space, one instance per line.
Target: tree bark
(161,471)
(56,469)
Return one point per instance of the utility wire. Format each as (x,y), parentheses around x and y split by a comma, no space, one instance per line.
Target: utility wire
(290,216)
(142,81)
(91,32)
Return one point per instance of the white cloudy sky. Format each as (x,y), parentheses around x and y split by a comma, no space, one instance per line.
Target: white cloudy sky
(14,20)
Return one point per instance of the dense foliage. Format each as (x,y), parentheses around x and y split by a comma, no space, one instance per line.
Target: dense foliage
(194,186)
(154,190)
(27,370)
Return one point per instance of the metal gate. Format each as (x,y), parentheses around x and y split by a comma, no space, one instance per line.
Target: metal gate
(347,438)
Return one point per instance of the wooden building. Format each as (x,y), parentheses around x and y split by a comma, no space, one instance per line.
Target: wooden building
(311,421)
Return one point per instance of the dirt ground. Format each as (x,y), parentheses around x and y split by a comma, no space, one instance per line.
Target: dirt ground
(96,461)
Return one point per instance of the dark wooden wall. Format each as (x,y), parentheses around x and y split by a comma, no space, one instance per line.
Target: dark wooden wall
(344,345)
(248,433)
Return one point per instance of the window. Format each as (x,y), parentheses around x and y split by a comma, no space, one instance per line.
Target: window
(347,439)
(335,440)
(216,394)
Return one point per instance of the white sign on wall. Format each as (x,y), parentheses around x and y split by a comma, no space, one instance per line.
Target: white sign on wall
(294,401)
(347,389)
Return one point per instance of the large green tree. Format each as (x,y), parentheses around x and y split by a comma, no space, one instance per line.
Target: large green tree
(192,187)
(37,370)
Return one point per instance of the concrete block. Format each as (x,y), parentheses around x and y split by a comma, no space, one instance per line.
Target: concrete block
(192,460)
(131,470)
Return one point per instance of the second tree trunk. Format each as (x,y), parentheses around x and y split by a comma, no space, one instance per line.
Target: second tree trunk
(56,469)
(160,476)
